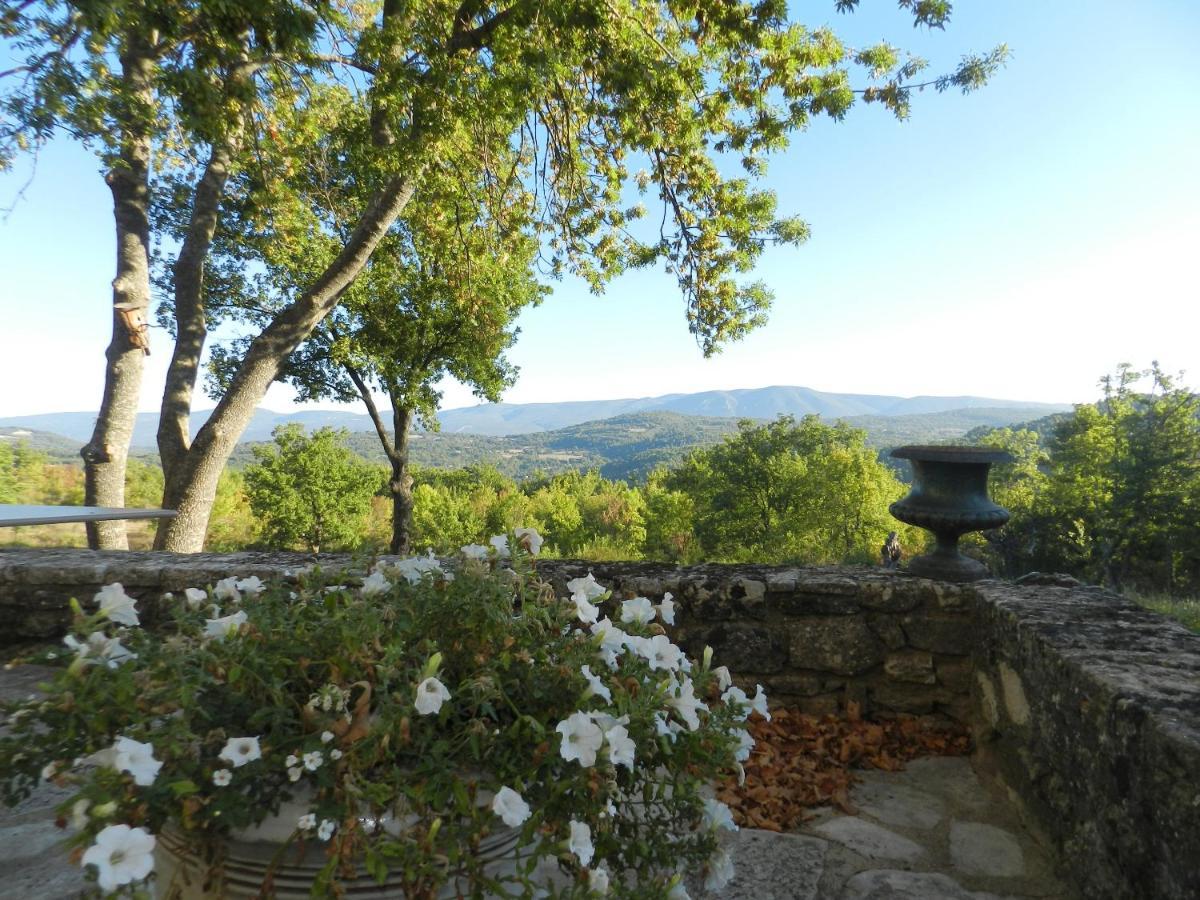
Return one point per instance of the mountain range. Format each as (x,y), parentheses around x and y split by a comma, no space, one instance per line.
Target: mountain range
(503,419)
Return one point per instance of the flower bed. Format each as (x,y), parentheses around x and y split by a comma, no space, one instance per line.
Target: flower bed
(413,713)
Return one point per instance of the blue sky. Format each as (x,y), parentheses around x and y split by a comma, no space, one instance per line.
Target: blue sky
(1016,243)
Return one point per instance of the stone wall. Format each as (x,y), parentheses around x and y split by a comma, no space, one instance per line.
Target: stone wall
(813,638)
(1087,706)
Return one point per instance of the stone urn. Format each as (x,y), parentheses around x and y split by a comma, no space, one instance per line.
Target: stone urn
(949,497)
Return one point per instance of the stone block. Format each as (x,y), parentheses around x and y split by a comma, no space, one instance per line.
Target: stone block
(897,597)
(897,696)
(954,672)
(914,666)
(843,645)
(947,633)
(1015,702)
(887,628)
(748,649)
(869,840)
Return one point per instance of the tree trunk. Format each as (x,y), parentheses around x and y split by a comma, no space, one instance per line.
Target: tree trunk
(401,483)
(174,436)
(105,455)
(193,483)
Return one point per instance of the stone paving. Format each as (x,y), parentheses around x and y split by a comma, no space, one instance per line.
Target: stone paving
(934,831)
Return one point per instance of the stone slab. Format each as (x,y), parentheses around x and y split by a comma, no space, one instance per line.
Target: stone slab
(889,884)
(980,849)
(869,840)
(884,799)
(770,866)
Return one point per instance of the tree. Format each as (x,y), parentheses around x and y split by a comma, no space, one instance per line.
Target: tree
(583,90)
(789,492)
(310,491)
(1124,483)
(438,299)
(1020,487)
(179,69)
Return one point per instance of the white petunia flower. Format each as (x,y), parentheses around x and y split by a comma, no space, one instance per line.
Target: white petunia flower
(678,892)
(666,609)
(313,760)
(224,626)
(598,687)
(374,584)
(683,701)
(195,597)
(724,679)
(222,777)
(580,842)
(252,585)
(137,759)
(735,697)
(116,605)
(294,773)
(414,568)
(612,641)
(598,881)
(307,822)
(745,744)
(581,738)
(500,542)
(584,610)
(227,589)
(79,816)
(474,551)
(758,703)
(99,647)
(529,539)
(510,807)
(586,586)
(620,747)
(49,771)
(637,610)
(325,832)
(663,729)
(717,815)
(240,750)
(660,653)
(431,694)
(720,871)
(326,737)
(292,760)
(121,855)
(335,754)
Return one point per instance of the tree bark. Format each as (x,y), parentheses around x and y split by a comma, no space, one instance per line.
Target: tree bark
(174,435)
(193,483)
(105,455)
(401,483)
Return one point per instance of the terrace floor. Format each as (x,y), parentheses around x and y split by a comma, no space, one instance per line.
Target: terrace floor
(934,831)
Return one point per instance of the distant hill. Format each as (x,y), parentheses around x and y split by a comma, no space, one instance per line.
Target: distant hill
(757,403)
(499,419)
(55,446)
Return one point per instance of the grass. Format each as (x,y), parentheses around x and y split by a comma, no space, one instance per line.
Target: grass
(1183,609)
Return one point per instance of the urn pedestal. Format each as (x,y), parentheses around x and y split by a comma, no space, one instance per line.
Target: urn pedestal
(949,498)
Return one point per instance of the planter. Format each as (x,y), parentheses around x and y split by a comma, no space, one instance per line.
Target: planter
(949,498)
(256,854)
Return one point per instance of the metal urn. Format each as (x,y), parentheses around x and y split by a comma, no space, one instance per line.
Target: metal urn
(949,497)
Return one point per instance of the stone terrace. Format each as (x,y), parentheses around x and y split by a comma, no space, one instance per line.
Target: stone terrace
(1085,709)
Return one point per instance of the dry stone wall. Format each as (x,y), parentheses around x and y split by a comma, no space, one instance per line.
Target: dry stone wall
(1086,705)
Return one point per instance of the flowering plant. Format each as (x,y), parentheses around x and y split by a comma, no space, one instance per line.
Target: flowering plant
(411,717)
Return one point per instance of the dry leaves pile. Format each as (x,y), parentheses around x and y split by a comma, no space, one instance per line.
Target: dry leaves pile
(801,761)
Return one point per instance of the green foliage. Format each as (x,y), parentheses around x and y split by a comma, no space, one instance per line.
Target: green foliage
(327,688)
(233,524)
(310,491)
(8,473)
(789,492)
(1110,494)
